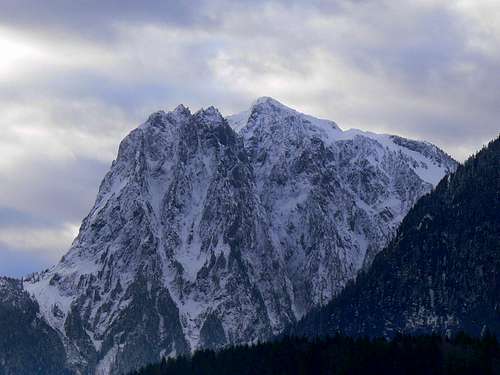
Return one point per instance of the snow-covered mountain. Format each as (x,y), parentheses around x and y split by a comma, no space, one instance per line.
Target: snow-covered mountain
(208,231)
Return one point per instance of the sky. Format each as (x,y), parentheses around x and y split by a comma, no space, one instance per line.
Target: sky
(77,76)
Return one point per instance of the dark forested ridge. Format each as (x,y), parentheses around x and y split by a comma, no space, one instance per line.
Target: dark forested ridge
(440,274)
(28,345)
(404,355)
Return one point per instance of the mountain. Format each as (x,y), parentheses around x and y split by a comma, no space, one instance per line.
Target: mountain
(203,236)
(441,272)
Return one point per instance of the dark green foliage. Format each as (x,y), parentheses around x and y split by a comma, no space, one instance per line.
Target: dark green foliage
(343,355)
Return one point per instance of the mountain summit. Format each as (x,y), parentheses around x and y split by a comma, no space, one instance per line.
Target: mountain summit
(268,107)
(209,231)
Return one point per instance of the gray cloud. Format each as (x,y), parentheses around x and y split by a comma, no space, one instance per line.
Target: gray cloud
(12,217)
(16,263)
(75,77)
(95,19)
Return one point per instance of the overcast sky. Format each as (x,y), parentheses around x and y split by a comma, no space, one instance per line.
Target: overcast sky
(76,78)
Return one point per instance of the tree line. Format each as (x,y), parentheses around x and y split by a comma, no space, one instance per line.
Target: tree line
(403,355)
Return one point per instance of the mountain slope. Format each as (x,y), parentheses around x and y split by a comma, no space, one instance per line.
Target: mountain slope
(441,272)
(202,237)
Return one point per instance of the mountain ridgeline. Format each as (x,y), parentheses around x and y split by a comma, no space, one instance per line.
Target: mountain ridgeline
(441,272)
(210,231)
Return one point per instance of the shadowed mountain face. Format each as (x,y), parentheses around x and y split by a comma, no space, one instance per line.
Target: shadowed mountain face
(441,272)
(202,235)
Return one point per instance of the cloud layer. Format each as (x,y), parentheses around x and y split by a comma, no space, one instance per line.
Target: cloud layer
(75,78)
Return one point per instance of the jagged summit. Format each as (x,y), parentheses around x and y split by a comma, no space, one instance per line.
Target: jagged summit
(207,116)
(181,108)
(267,101)
(210,116)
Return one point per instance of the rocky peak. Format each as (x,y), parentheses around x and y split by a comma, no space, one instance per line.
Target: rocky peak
(269,107)
(268,116)
(181,109)
(266,102)
(209,116)
(161,119)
